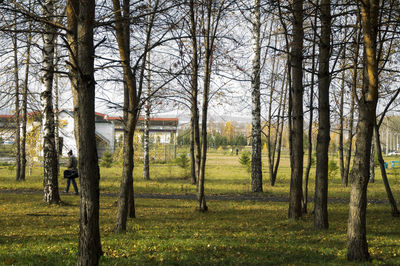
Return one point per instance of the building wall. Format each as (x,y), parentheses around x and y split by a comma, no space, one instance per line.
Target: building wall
(66,130)
(106,129)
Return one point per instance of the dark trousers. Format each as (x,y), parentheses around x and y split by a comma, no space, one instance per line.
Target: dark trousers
(69,180)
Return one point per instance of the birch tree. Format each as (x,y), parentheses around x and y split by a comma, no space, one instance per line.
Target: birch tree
(256,164)
(50,163)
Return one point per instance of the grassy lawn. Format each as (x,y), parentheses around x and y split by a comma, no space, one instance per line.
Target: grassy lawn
(171,232)
(224,175)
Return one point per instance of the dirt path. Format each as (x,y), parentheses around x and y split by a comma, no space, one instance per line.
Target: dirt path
(220,197)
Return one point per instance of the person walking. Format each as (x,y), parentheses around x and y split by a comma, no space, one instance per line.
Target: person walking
(71,173)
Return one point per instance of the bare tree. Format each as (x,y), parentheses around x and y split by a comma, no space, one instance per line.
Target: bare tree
(195,151)
(50,162)
(17,101)
(359,175)
(132,98)
(321,179)
(80,16)
(256,163)
(296,102)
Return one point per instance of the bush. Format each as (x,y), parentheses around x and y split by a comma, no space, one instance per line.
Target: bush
(106,160)
(245,160)
(183,162)
(332,169)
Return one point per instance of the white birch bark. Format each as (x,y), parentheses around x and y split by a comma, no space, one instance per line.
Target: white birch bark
(50,178)
(256,165)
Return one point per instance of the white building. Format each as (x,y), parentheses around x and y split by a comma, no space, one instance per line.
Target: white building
(107,129)
(104,130)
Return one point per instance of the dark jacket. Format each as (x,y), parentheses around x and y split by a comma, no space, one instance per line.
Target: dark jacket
(72,163)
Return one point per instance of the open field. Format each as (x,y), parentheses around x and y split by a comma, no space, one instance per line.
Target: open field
(171,232)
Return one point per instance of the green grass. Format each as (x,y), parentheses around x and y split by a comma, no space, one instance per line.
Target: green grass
(171,232)
(224,175)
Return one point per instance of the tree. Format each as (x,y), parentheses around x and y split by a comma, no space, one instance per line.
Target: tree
(25,100)
(50,162)
(213,13)
(311,117)
(296,113)
(321,179)
(132,101)
(356,230)
(147,106)
(195,151)
(256,163)
(17,103)
(81,21)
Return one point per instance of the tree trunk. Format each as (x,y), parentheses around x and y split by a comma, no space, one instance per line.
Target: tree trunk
(50,163)
(341,111)
(89,249)
(277,143)
(372,163)
(130,98)
(296,181)
(17,108)
(202,206)
(146,133)
(127,178)
(146,137)
(192,153)
(72,12)
(195,151)
(359,175)
(256,163)
(279,147)
(353,96)
(321,179)
(310,126)
(25,103)
(392,201)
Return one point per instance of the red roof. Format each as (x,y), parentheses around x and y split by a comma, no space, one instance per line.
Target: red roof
(99,114)
(6,116)
(159,119)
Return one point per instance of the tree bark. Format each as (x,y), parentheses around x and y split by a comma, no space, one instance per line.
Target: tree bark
(310,126)
(17,104)
(72,12)
(341,111)
(352,104)
(321,179)
(296,181)
(202,205)
(277,143)
(146,133)
(130,114)
(50,163)
(132,96)
(195,151)
(22,175)
(392,201)
(256,163)
(372,163)
(89,248)
(356,232)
